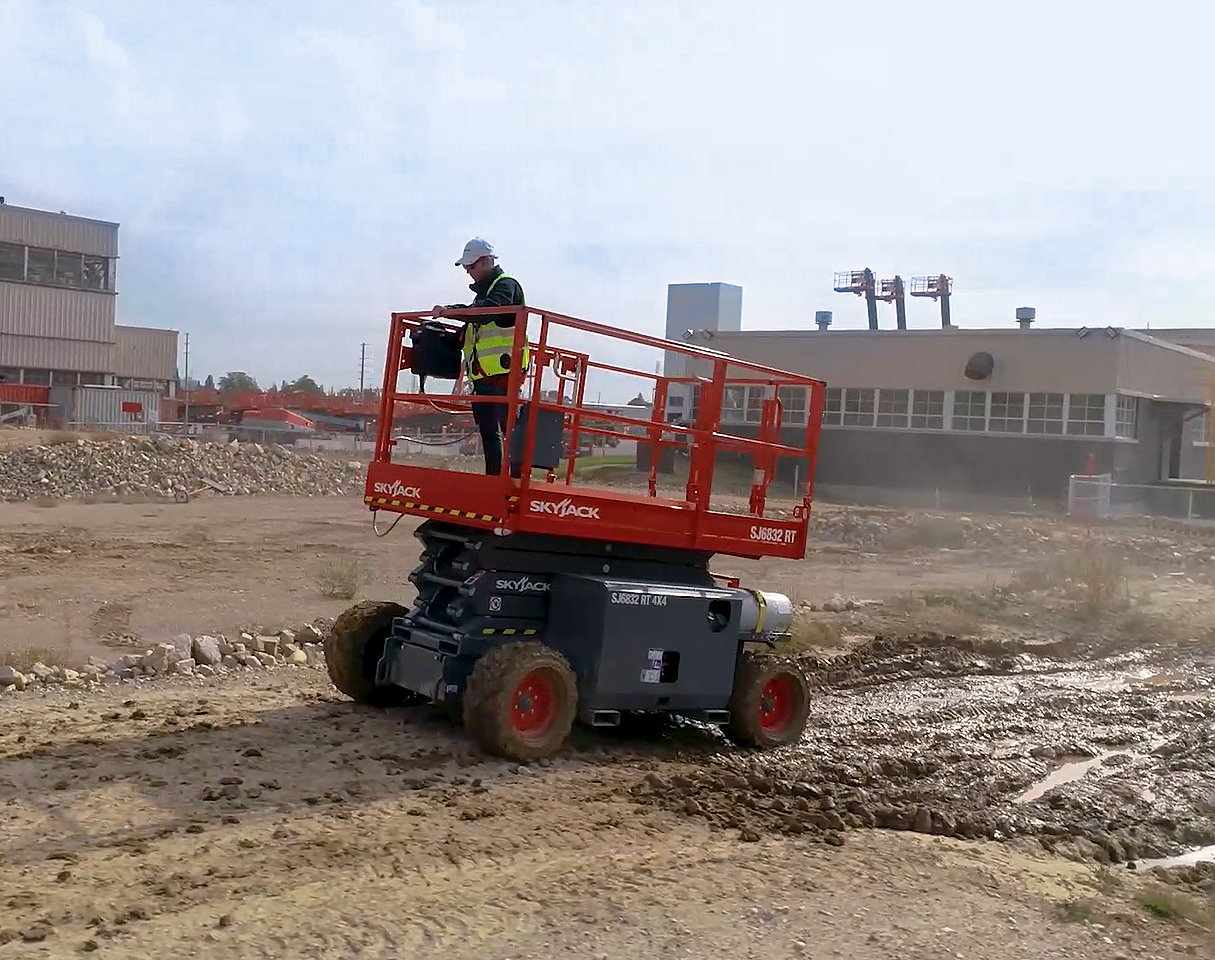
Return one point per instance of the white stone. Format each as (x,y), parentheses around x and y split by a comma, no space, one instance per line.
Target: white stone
(206,650)
(41,672)
(315,654)
(160,659)
(184,667)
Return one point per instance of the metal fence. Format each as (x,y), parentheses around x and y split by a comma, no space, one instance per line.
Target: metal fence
(1099,496)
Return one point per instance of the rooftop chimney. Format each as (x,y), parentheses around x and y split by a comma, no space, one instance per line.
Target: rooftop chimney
(1025,316)
(823,319)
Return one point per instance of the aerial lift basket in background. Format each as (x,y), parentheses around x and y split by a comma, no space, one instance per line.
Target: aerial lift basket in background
(542,600)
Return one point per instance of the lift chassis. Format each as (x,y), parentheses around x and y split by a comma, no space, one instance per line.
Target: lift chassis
(541,603)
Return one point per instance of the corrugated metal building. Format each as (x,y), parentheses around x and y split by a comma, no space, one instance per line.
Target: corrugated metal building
(58,302)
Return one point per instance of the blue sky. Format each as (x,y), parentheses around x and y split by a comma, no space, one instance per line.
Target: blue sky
(288,173)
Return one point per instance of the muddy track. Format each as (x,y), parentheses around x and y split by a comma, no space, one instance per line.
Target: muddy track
(1111,761)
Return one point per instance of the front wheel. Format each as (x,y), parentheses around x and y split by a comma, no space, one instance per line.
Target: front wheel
(520,701)
(770,703)
(353,648)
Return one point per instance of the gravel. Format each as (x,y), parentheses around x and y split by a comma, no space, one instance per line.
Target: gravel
(163,466)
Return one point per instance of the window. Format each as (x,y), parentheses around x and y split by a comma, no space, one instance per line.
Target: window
(793,404)
(928,409)
(1125,419)
(1045,413)
(858,407)
(732,403)
(833,406)
(41,267)
(755,403)
(96,273)
(1007,413)
(892,408)
(1198,428)
(69,269)
(56,268)
(970,410)
(1086,414)
(12,261)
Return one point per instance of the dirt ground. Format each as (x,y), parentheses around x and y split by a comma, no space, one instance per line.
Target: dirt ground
(74,573)
(993,778)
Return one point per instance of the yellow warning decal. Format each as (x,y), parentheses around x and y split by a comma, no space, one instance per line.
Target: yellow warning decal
(509,631)
(428,508)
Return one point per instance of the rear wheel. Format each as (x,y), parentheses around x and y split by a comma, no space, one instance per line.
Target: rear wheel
(353,648)
(770,702)
(520,701)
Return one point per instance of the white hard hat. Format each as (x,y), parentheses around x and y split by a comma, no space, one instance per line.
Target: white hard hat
(474,250)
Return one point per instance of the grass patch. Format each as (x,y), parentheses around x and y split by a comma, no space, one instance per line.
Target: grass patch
(806,633)
(340,579)
(22,657)
(1078,910)
(1106,881)
(928,533)
(1095,578)
(1170,905)
(1092,578)
(588,464)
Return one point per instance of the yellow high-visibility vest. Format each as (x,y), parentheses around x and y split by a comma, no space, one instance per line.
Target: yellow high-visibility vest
(490,345)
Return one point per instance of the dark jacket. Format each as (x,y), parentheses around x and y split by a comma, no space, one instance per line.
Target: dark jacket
(508,292)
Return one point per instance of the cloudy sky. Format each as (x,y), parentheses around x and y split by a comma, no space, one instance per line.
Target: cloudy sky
(287,173)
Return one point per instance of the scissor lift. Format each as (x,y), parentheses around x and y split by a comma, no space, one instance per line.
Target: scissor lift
(542,599)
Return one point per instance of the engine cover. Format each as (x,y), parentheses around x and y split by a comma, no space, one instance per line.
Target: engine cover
(638,645)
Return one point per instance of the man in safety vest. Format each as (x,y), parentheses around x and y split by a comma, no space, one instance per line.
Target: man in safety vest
(487,342)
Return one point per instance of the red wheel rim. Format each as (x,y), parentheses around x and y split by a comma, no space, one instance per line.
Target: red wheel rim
(534,704)
(776,704)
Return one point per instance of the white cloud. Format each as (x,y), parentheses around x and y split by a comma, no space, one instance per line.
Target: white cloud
(280,167)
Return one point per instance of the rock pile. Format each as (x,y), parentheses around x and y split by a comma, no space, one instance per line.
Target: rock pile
(204,657)
(160,466)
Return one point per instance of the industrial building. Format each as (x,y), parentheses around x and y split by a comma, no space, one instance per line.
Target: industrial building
(1005,412)
(58,329)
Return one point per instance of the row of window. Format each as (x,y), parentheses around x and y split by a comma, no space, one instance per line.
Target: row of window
(1073,414)
(56,268)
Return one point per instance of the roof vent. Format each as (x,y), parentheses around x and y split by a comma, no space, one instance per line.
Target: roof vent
(1025,316)
(980,366)
(823,319)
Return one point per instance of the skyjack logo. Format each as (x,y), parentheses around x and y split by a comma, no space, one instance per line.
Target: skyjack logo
(398,489)
(564,508)
(522,585)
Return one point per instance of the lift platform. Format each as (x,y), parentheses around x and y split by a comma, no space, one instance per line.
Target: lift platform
(549,497)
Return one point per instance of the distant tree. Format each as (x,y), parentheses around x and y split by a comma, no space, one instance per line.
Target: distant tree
(305,384)
(210,384)
(237,381)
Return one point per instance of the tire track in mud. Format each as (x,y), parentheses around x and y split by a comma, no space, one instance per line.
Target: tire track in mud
(938,735)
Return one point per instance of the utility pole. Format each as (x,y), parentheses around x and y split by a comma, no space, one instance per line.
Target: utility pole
(362,369)
(186,416)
